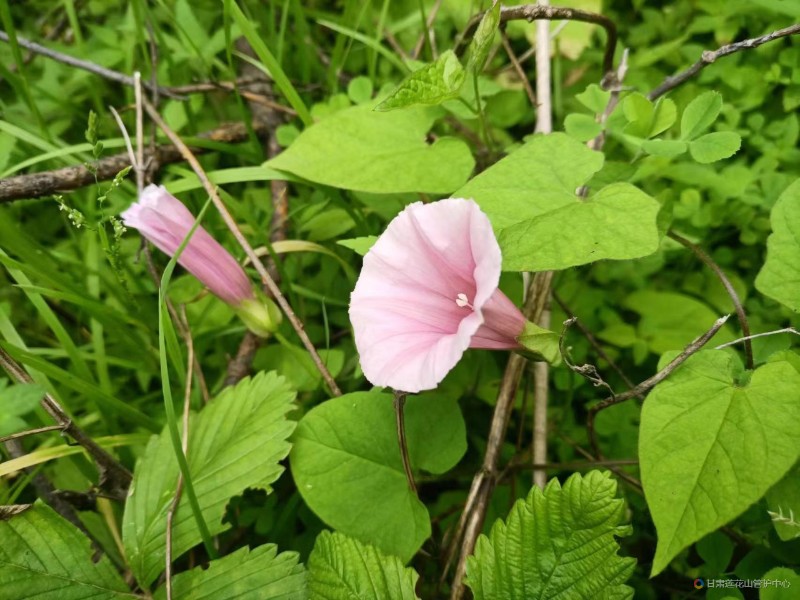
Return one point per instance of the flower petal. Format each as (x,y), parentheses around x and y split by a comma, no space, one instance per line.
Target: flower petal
(409,329)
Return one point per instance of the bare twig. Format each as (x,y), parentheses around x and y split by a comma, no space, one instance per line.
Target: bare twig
(518,67)
(36,185)
(758,335)
(709,56)
(622,69)
(588,372)
(86,65)
(402,442)
(737,303)
(266,279)
(37,431)
(651,382)
(533,12)
(114,478)
(427,33)
(231,86)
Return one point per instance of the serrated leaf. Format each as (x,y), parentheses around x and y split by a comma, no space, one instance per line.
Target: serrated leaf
(715,146)
(360,245)
(665,148)
(235,442)
(779,278)
(582,127)
(556,544)
(594,98)
(619,222)
(46,557)
(482,39)
(346,464)
(711,444)
(700,114)
(433,84)
(381,152)
(342,568)
(245,575)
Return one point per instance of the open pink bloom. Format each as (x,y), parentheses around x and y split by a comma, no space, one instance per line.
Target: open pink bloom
(427,292)
(165,222)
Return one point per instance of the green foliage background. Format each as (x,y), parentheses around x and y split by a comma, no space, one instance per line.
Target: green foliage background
(715,161)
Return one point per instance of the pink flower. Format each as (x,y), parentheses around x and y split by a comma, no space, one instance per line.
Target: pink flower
(165,222)
(427,292)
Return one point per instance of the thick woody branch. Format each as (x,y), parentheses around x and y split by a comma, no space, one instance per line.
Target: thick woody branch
(535,12)
(36,185)
(709,57)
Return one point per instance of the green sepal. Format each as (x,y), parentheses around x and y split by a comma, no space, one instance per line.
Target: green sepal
(539,343)
(260,315)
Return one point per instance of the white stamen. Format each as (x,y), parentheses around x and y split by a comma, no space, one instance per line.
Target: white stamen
(462,301)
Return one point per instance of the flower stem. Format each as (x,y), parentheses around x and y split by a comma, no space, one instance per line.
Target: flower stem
(399,405)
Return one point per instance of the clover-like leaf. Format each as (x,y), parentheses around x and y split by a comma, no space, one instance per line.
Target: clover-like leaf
(700,114)
(715,146)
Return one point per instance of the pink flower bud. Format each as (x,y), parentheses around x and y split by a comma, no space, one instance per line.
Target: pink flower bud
(427,292)
(165,222)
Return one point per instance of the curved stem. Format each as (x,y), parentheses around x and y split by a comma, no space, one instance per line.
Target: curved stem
(737,303)
(399,406)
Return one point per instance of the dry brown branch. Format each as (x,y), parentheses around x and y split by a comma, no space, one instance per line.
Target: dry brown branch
(708,57)
(114,478)
(266,278)
(649,383)
(38,430)
(86,65)
(518,67)
(534,12)
(36,185)
(758,335)
(726,283)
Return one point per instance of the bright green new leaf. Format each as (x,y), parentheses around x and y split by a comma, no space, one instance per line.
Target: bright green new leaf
(530,197)
(640,112)
(381,152)
(360,245)
(594,98)
(245,575)
(715,146)
(779,278)
(712,443)
(556,544)
(342,568)
(665,148)
(482,39)
(44,556)
(664,116)
(346,464)
(700,114)
(582,127)
(236,442)
(783,500)
(619,222)
(432,84)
